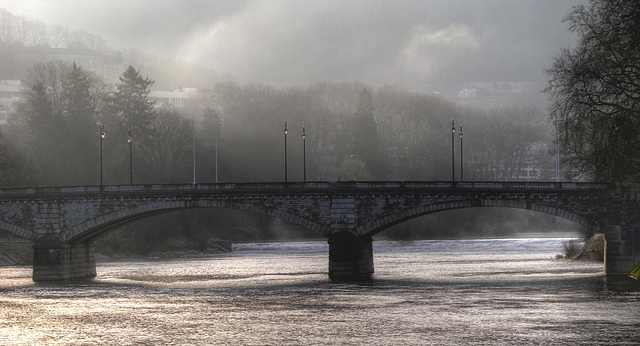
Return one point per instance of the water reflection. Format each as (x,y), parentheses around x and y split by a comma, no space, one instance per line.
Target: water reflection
(466,292)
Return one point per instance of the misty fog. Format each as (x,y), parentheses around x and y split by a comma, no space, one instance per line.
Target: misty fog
(414,44)
(375,83)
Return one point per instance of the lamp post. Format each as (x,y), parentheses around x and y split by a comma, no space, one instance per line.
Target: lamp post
(453,163)
(304,153)
(216,152)
(557,154)
(461,159)
(130,157)
(102,135)
(285,151)
(193,136)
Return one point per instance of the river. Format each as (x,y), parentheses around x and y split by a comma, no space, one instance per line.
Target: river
(507,291)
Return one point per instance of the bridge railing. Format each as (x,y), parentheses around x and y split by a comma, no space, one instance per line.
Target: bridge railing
(320,185)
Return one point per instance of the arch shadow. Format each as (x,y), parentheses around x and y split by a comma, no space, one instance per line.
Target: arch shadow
(385,221)
(17,231)
(97,226)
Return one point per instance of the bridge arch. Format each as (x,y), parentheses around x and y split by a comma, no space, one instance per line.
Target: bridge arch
(399,216)
(96,226)
(18,231)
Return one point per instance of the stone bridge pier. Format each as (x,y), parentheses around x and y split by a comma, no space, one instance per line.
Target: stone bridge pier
(350,257)
(350,254)
(55,260)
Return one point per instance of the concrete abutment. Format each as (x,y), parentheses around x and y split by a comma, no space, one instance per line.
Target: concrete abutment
(622,250)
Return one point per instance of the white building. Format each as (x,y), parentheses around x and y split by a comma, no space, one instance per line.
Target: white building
(177,98)
(10,95)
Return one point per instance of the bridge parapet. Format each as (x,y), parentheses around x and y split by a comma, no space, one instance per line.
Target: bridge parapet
(310,186)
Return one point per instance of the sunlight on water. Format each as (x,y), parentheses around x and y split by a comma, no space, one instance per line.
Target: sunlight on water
(423,292)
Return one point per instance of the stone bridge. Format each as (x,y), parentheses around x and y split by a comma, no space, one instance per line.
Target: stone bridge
(64,221)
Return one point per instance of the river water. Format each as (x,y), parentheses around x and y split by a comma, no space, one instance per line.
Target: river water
(508,291)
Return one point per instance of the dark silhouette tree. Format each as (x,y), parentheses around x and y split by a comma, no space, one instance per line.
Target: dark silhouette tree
(48,134)
(80,113)
(59,124)
(131,109)
(595,91)
(131,103)
(171,152)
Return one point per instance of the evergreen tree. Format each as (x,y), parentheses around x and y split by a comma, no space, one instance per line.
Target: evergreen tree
(131,110)
(48,135)
(131,103)
(80,115)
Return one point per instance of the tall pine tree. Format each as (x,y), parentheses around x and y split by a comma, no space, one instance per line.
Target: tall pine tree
(132,110)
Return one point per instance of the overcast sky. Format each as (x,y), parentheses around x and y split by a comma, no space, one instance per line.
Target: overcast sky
(410,43)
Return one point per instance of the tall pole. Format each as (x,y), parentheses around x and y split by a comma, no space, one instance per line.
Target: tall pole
(285,151)
(193,136)
(216,152)
(461,159)
(304,153)
(453,162)
(102,135)
(130,158)
(557,154)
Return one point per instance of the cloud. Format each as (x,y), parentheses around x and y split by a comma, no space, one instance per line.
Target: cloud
(427,49)
(286,42)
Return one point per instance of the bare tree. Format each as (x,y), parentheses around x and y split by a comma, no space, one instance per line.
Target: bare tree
(59,36)
(7,26)
(37,34)
(595,92)
(170,153)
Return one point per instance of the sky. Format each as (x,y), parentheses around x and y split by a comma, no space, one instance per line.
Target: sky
(288,43)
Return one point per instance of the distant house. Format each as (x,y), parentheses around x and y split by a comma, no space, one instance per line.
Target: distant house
(10,94)
(177,98)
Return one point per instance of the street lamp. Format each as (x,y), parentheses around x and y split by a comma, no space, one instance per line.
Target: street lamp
(130,157)
(193,137)
(453,164)
(216,151)
(461,160)
(304,153)
(102,135)
(285,151)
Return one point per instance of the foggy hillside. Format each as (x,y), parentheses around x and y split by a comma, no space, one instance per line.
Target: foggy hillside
(435,46)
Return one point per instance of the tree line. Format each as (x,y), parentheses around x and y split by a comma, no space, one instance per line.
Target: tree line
(35,33)
(353,132)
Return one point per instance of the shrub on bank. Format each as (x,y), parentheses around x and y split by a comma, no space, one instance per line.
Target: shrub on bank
(571,248)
